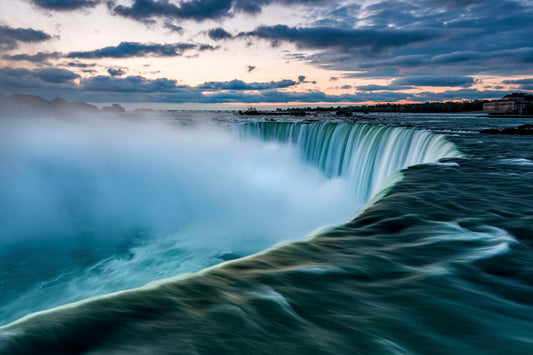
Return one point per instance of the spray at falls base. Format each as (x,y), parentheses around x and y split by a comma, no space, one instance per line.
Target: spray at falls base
(433,266)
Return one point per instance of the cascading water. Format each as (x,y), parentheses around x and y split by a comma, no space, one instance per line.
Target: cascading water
(120,204)
(441,264)
(363,154)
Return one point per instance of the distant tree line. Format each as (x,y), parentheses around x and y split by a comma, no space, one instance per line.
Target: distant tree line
(19,105)
(426,107)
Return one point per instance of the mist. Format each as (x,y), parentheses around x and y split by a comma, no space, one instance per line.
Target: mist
(91,206)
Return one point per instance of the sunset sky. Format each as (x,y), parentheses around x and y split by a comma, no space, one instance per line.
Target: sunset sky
(265,51)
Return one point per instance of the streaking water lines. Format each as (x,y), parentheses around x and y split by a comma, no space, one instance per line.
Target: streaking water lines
(364,154)
(436,265)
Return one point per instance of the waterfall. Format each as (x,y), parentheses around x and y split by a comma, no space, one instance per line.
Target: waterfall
(116,204)
(364,154)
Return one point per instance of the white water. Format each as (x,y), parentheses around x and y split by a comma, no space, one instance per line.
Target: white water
(92,207)
(366,155)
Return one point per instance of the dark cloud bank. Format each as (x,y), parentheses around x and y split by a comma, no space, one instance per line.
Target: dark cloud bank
(410,38)
(135,49)
(65,5)
(219,33)
(465,38)
(35,58)
(122,50)
(415,43)
(10,37)
(344,40)
(199,10)
(54,82)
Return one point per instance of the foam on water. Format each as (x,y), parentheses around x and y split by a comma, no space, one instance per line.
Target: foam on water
(117,204)
(483,243)
(440,262)
(519,161)
(365,154)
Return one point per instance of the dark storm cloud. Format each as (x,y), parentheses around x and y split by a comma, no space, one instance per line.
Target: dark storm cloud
(527,87)
(219,33)
(65,5)
(504,62)
(255,7)
(200,10)
(385,38)
(241,85)
(139,84)
(458,57)
(523,55)
(461,94)
(434,80)
(128,84)
(489,15)
(15,72)
(478,37)
(9,36)
(51,82)
(35,58)
(55,75)
(274,96)
(39,80)
(135,49)
(341,39)
(523,84)
(406,61)
(526,81)
(116,71)
(384,96)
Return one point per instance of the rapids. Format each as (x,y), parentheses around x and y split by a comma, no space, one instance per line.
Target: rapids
(438,261)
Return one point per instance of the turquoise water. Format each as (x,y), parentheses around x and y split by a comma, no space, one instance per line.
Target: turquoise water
(439,264)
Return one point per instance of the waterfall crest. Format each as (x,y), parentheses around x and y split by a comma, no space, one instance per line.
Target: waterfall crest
(365,154)
(126,203)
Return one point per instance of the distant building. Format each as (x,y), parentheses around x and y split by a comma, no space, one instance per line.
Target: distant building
(499,107)
(513,104)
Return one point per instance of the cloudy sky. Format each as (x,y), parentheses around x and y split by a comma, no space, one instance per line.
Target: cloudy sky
(266,51)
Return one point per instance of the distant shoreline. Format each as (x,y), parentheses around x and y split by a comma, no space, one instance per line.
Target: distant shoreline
(20,104)
(474,106)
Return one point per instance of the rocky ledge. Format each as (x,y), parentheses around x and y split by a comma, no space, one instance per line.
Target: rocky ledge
(526,129)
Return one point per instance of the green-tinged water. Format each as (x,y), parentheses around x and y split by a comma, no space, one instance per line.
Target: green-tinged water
(440,264)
